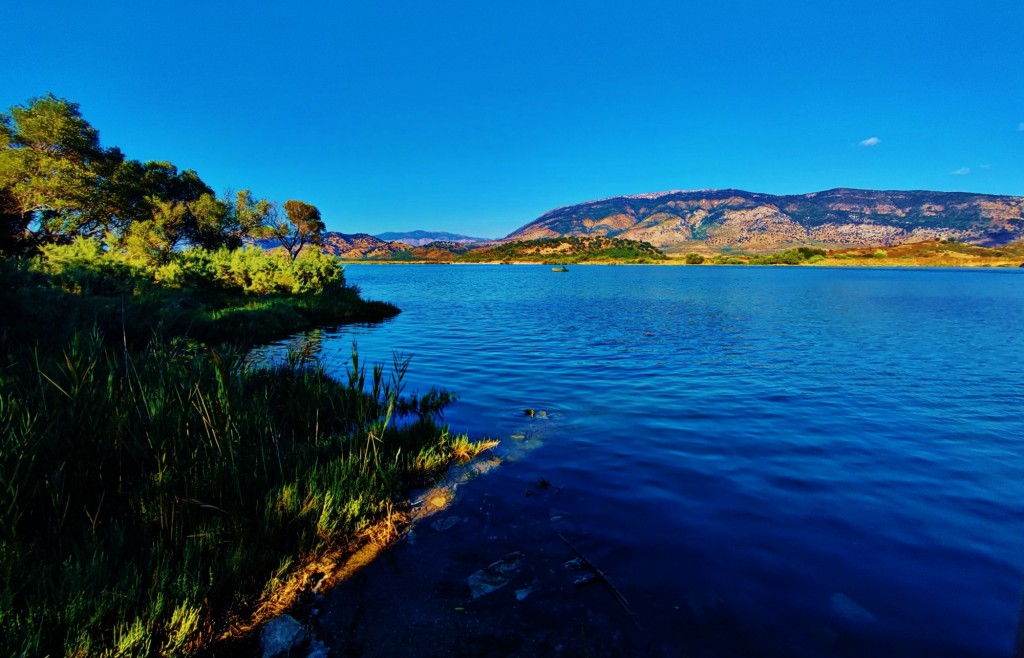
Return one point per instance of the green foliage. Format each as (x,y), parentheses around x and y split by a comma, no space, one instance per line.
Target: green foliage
(694,259)
(572,249)
(147,493)
(723,259)
(243,296)
(50,166)
(57,182)
(788,257)
(248,218)
(302,226)
(879,253)
(151,484)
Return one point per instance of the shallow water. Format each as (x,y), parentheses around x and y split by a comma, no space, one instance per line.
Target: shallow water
(831,459)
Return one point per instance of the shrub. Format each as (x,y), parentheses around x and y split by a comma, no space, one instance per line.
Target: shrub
(694,259)
(729,260)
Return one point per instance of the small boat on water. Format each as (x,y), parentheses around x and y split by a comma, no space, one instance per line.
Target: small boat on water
(560,268)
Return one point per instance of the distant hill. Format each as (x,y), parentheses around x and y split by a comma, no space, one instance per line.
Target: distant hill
(734,220)
(362,246)
(421,238)
(353,247)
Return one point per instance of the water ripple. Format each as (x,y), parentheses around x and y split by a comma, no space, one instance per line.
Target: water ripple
(766,438)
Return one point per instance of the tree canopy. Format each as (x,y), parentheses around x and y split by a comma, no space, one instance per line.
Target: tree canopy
(301,226)
(50,166)
(57,182)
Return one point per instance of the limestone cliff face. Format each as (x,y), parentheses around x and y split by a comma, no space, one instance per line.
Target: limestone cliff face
(711,220)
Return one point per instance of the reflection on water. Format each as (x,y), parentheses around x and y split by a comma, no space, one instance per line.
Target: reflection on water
(830,458)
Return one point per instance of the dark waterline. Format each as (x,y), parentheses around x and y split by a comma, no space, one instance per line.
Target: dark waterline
(816,451)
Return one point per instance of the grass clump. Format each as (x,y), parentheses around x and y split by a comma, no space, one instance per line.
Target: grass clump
(151,494)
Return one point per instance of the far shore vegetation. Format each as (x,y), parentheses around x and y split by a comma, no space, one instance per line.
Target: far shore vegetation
(158,486)
(566,250)
(602,250)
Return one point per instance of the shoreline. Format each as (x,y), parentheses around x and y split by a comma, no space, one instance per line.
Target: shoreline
(891,263)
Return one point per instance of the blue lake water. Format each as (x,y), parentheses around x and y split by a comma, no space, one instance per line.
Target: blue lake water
(815,451)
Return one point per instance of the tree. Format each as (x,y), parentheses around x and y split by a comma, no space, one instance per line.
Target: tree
(13,226)
(209,219)
(303,225)
(129,187)
(247,219)
(50,162)
(154,240)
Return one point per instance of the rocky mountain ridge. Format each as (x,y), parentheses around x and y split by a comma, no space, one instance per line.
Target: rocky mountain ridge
(735,220)
(421,238)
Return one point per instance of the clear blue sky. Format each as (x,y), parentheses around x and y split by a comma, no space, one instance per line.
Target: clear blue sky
(476,117)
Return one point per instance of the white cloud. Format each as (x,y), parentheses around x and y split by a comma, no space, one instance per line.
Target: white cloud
(962,171)
(871,141)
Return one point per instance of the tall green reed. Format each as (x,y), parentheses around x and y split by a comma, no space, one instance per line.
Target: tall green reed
(149,492)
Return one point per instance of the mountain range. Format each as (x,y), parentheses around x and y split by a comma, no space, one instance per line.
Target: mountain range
(724,221)
(733,220)
(420,238)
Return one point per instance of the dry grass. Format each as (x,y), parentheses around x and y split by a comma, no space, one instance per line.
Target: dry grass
(320,571)
(464,450)
(334,563)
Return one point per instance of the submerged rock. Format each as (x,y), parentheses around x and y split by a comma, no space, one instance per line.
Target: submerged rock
(496,575)
(281,635)
(318,649)
(850,610)
(445,524)
(584,579)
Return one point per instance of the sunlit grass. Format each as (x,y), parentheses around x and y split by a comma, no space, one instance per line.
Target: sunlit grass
(148,494)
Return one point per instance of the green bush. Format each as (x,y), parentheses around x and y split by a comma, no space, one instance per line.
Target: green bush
(694,259)
(86,267)
(722,259)
(239,296)
(788,257)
